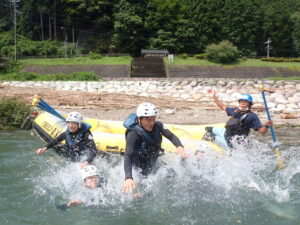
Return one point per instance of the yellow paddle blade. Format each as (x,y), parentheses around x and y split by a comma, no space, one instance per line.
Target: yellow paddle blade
(280,162)
(35,100)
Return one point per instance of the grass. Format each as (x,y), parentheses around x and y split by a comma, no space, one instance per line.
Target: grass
(283,78)
(242,62)
(122,60)
(28,76)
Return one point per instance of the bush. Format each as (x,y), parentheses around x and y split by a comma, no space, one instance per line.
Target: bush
(224,52)
(12,113)
(94,55)
(200,56)
(182,56)
(9,66)
(280,59)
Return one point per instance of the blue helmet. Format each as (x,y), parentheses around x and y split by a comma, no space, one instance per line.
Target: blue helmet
(246,97)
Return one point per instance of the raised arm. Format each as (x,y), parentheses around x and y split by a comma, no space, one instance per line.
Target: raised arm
(216,100)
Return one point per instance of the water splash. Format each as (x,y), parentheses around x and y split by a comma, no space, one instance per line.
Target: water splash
(212,188)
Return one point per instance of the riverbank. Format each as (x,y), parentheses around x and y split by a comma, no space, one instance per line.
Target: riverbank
(180,101)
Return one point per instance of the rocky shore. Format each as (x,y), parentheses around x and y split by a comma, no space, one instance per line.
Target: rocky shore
(285,99)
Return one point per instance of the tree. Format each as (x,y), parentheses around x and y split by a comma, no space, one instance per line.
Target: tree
(278,26)
(129,28)
(295,18)
(242,24)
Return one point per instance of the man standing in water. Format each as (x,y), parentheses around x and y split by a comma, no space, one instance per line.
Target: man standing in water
(79,140)
(241,121)
(143,143)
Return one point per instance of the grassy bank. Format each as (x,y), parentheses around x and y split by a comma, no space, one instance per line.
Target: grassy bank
(28,76)
(243,62)
(122,60)
(12,113)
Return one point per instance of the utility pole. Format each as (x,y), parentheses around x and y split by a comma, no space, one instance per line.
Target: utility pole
(15,26)
(268,43)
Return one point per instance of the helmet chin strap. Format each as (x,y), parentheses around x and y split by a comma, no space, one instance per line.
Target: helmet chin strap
(244,110)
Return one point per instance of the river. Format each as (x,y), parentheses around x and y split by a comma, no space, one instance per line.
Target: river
(243,188)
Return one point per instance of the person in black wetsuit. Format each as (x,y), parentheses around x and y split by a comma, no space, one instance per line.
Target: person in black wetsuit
(79,140)
(143,142)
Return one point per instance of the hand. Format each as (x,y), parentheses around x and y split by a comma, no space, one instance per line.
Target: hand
(73,202)
(128,186)
(41,150)
(181,152)
(212,93)
(269,123)
(84,164)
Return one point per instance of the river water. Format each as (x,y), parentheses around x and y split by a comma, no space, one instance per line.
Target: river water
(243,188)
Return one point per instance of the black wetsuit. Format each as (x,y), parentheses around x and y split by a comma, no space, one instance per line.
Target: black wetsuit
(83,145)
(141,155)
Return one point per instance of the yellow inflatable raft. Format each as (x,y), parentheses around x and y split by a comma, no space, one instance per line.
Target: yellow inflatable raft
(109,135)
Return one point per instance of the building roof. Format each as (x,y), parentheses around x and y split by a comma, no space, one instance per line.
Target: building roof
(147,51)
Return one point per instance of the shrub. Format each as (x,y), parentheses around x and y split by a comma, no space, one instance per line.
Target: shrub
(200,56)
(224,52)
(280,59)
(9,66)
(94,55)
(12,113)
(182,56)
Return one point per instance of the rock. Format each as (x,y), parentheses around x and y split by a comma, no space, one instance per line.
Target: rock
(289,116)
(221,83)
(197,97)
(294,99)
(291,106)
(289,86)
(269,82)
(170,111)
(281,106)
(281,100)
(185,96)
(231,83)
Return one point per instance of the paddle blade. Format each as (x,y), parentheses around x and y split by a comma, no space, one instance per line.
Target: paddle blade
(280,162)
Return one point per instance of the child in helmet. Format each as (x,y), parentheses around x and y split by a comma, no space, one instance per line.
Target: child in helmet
(143,142)
(241,121)
(91,179)
(79,140)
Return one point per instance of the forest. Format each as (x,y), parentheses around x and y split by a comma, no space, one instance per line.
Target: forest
(46,27)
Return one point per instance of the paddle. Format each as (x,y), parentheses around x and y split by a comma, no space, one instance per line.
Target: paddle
(280,162)
(37,101)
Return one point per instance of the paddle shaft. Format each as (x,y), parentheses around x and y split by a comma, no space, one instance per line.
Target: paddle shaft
(269,118)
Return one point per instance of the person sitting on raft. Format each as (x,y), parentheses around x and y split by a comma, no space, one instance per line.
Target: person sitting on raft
(143,142)
(241,121)
(91,179)
(79,140)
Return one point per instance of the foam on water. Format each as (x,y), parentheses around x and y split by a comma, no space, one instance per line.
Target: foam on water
(221,187)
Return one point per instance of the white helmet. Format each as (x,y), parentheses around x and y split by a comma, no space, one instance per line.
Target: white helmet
(146,109)
(88,171)
(74,117)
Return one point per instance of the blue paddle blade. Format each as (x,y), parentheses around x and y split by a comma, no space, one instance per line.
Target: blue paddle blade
(44,106)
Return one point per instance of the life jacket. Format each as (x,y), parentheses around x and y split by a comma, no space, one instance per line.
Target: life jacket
(151,144)
(234,126)
(76,144)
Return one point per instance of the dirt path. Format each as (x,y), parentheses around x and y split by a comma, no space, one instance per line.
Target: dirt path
(118,106)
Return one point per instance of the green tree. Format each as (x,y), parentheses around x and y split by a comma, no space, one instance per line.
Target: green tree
(128,34)
(295,18)
(242,24)
(278,26)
